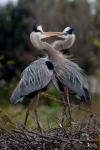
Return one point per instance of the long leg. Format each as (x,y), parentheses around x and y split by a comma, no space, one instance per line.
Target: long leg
(66,96)
(66,103)
(28,111)
(64,110)
(33,105)
(36,114)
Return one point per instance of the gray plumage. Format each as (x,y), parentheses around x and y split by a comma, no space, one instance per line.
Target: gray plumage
(71,76)
(35,77)
(64,73)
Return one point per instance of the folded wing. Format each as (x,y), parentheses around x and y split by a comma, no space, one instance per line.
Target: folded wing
(35,77)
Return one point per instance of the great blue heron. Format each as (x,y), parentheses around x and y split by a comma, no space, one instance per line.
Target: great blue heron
(36,77)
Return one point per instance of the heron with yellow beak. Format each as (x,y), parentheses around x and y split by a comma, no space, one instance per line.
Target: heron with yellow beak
(66,74)
(61,40)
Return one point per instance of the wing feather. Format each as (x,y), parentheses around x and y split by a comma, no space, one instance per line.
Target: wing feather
(71,76)
(35,77)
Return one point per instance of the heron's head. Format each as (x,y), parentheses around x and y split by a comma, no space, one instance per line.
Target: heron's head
(37,28)
(68,30)
(36,36)
(38,32)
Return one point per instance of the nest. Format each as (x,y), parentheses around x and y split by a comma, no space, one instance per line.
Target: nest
(70,135)
(74,137)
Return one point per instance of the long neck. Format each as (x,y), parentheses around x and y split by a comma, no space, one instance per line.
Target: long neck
(54,55)
(34,38)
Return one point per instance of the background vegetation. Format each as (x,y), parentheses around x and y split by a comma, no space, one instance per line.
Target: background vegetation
(16,51)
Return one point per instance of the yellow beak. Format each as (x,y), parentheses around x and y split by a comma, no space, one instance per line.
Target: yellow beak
(50,34)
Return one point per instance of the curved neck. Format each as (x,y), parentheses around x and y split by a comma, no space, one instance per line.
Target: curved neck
(34,38)
(37,43)
(52,53)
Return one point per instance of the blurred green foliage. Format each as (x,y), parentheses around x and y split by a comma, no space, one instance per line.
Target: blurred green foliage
(96,42)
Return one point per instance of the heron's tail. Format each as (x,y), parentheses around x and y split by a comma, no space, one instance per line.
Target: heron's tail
(86,96)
